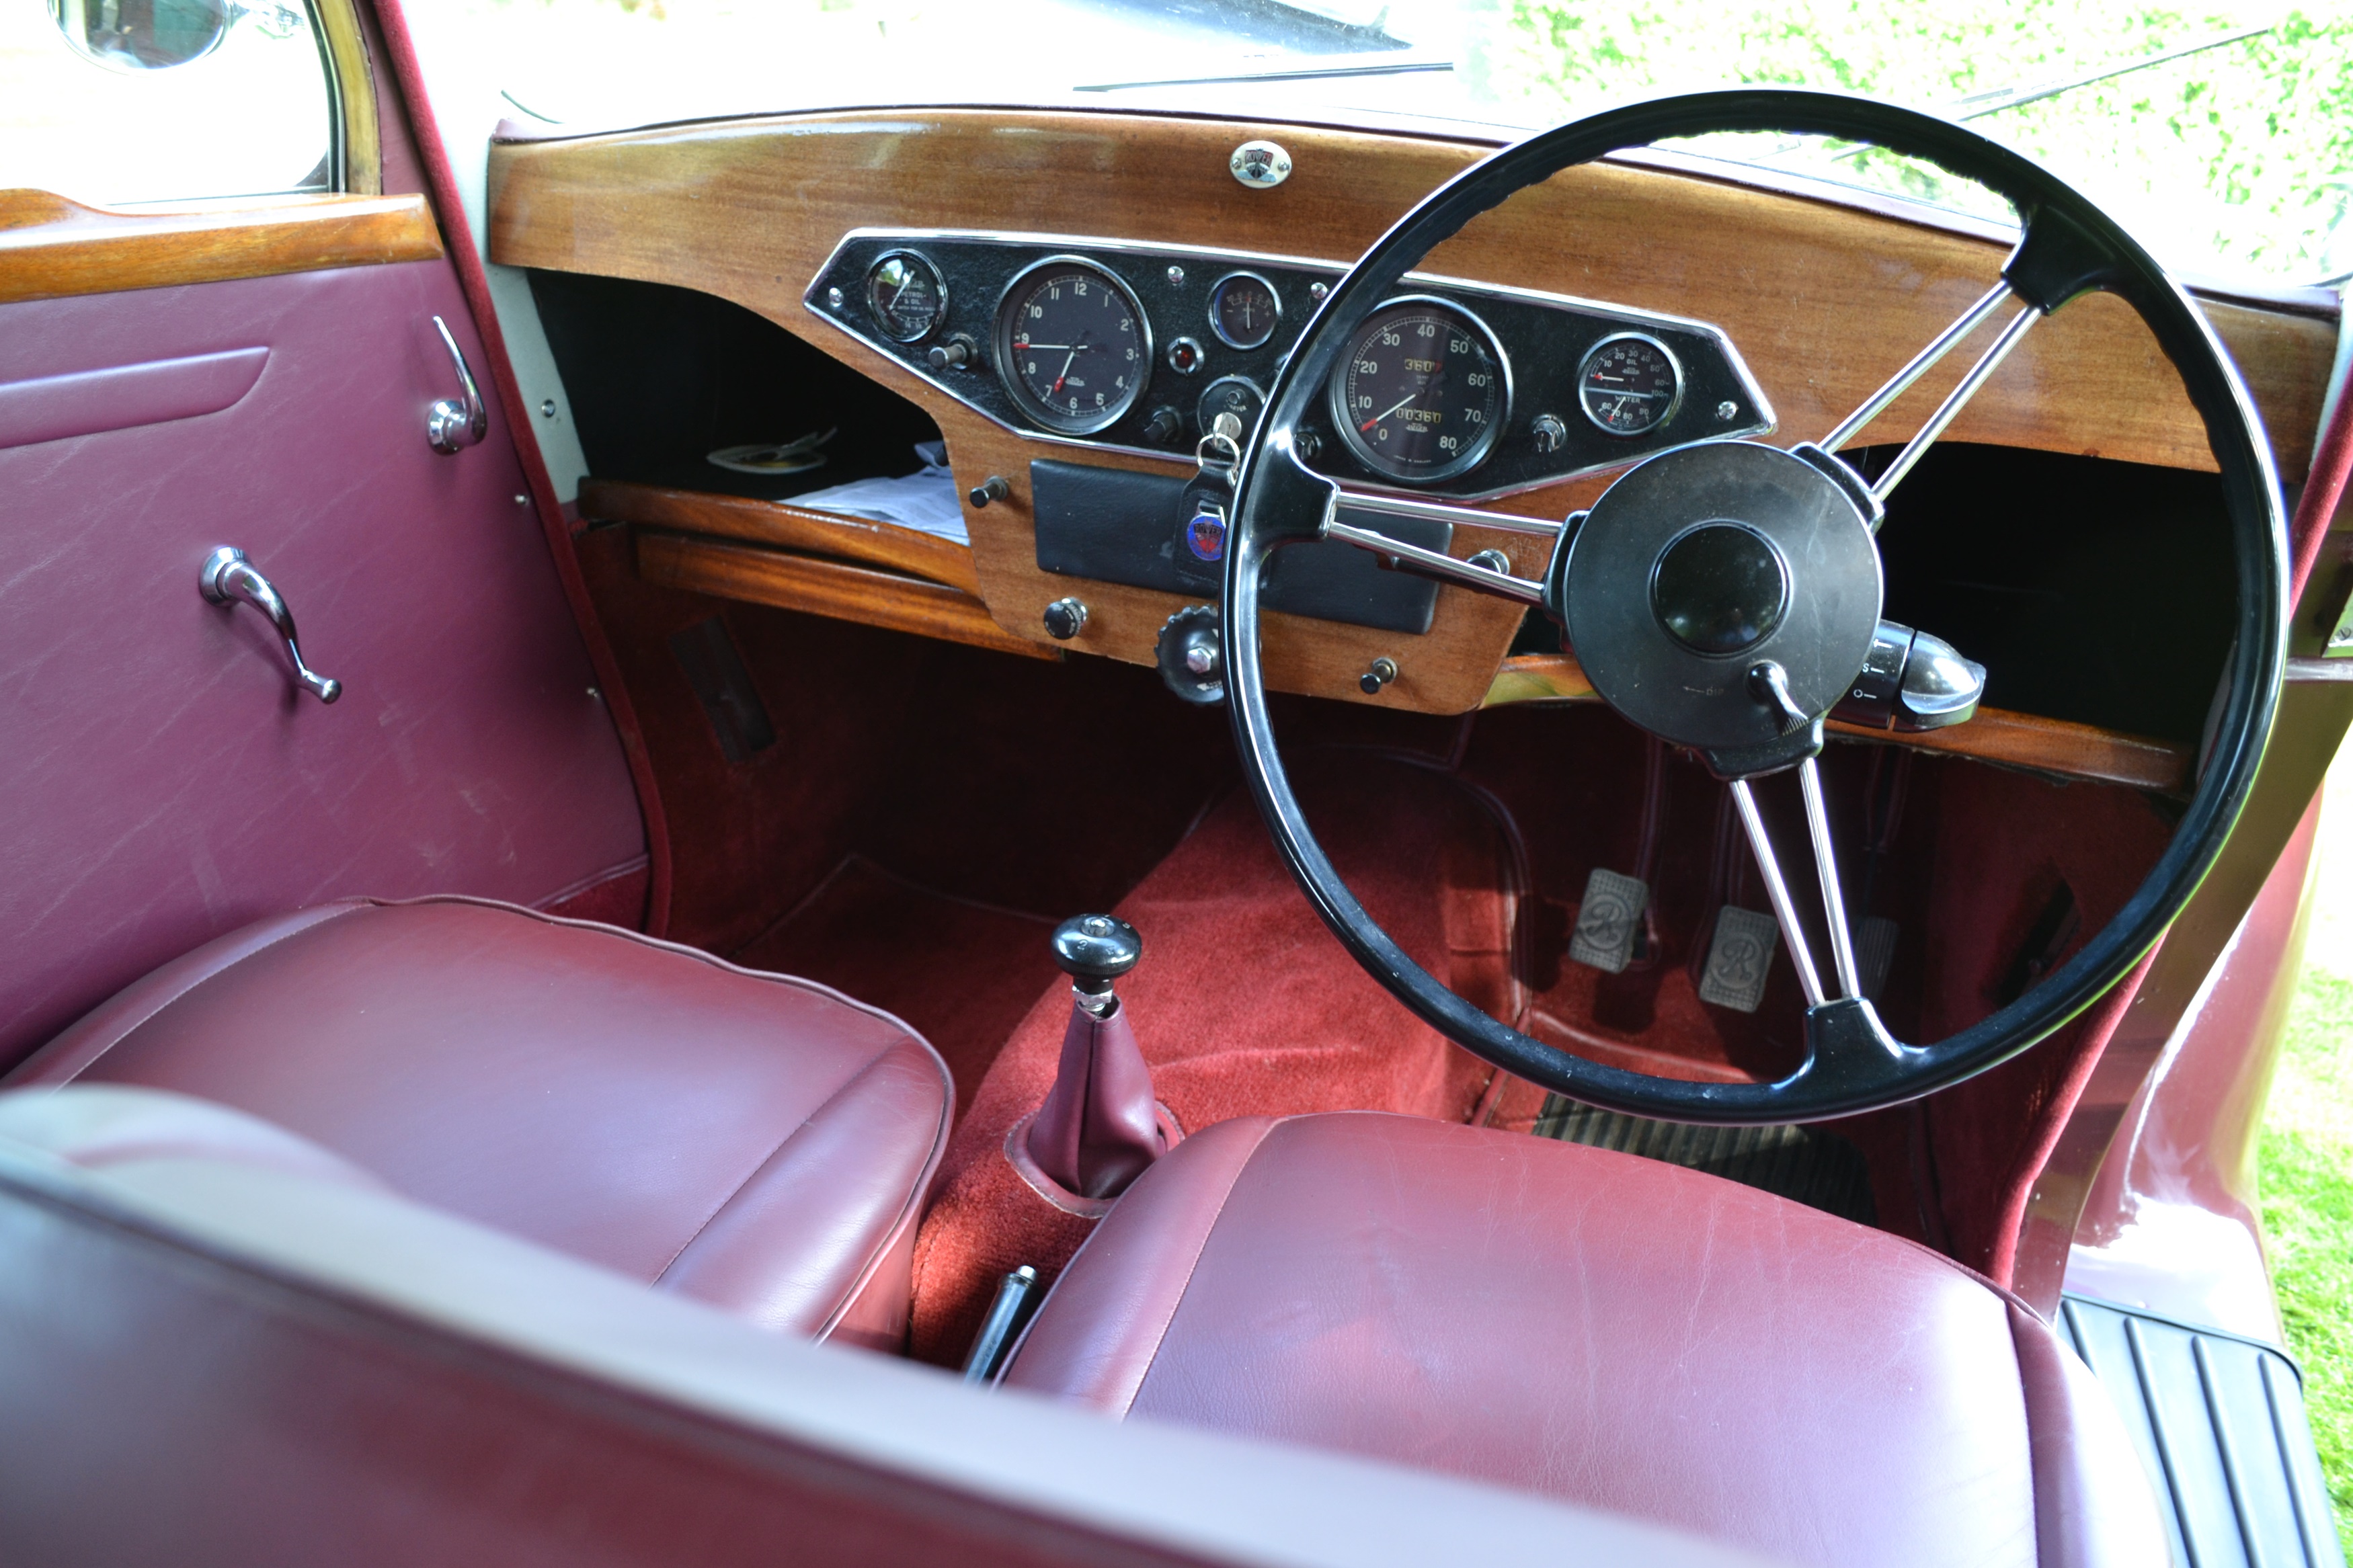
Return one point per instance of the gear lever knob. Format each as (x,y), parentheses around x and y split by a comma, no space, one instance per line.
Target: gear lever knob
(1094,951)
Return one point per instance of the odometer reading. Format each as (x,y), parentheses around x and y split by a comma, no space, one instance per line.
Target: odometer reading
(1072,347)
(1630,385)
(1423,394)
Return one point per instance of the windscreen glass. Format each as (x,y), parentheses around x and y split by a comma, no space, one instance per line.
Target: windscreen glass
(2223,138)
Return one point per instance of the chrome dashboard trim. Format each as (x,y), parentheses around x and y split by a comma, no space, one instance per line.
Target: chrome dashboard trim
(847,321)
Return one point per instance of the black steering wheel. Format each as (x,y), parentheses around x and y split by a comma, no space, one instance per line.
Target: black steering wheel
(1725,595)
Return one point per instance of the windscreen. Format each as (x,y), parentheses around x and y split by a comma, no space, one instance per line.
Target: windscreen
(2224,140)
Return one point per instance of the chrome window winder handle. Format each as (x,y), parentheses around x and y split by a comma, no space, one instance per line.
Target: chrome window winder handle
(227,576)
(452,424)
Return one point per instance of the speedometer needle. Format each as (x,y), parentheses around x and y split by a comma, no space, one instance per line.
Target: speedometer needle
(1378,418)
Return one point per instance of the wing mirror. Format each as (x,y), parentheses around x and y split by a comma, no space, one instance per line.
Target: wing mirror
(157,34)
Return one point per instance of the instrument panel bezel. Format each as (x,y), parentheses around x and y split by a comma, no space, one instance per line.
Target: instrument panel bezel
(1549,333)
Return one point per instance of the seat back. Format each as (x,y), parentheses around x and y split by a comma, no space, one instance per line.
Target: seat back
(221,1344)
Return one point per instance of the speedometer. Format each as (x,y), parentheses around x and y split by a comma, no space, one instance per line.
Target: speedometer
(1423,392)
(1072,346)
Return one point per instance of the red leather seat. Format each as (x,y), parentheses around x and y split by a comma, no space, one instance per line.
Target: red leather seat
(1606,1329)
(758,1142)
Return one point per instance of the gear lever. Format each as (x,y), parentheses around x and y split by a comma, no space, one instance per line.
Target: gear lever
(1098,1129)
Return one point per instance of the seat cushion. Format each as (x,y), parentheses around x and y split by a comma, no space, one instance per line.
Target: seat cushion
(759,1142)
(1601,1328)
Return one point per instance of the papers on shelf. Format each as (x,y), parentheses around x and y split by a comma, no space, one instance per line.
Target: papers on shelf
(925,500)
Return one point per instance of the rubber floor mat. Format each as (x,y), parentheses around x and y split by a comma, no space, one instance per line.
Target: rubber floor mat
(2221,1425)
(1820,1169)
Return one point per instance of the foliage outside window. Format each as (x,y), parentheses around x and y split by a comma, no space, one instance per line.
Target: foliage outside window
(121,103)
(2236,158)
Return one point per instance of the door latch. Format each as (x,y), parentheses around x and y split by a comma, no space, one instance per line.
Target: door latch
(453,423)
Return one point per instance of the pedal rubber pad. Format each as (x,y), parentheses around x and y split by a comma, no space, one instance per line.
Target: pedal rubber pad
(1739,958)
(1608,921)
(1874,954)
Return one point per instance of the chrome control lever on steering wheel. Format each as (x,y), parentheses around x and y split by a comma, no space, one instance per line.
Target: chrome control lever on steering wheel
(454,423)
(228,577)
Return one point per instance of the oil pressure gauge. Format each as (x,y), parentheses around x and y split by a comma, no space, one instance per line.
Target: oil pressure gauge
(1629,383)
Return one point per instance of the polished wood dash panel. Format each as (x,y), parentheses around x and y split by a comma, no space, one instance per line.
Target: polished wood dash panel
(1824,299)
(820,587)
(1995,735)
(780,524)
(51,248)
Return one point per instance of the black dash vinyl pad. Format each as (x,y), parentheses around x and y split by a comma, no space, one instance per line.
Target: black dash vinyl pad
(1118,526)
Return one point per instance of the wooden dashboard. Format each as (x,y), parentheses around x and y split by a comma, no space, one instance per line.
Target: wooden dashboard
(1823,297)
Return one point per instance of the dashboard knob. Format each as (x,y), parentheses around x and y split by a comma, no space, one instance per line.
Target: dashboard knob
(1382,672)
(1066,619)
(1548,433)
(994,488)
(1188,656)
(1163,426)
(953,354)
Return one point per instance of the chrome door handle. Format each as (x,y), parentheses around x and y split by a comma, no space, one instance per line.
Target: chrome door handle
(227,576)
(452,424)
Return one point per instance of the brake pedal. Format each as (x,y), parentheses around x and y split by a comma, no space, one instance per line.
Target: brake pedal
(1739,958)
(1608,921)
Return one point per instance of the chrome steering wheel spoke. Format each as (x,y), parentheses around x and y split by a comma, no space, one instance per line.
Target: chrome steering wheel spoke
(1478,576)
(1955,401)
(1488,572)
(1785,907)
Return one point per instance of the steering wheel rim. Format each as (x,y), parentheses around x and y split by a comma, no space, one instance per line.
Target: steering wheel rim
(2068,248)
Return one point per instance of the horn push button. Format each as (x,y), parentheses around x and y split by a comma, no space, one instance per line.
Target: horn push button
(1719,588)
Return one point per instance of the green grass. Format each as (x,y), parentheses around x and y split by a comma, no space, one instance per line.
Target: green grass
(2237,158)
(2307,1185)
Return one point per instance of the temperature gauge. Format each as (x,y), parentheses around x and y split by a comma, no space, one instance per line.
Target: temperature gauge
(1630,385)
(1244,309)
(905,296)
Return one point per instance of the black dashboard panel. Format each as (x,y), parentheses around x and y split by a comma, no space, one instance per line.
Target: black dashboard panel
(1118,526)
(1546,434)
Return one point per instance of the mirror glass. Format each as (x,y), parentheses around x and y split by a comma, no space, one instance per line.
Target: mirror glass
(144,35)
